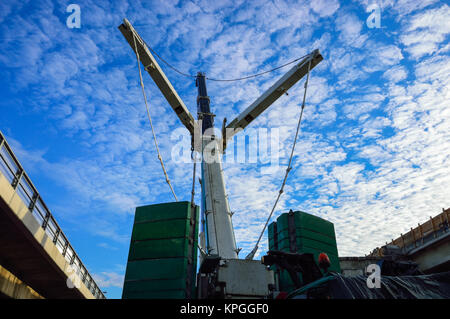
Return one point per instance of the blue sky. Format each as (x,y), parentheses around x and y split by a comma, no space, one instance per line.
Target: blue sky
(373,156)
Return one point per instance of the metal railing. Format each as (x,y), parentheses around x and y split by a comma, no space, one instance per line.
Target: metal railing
(431,230)
(15,174)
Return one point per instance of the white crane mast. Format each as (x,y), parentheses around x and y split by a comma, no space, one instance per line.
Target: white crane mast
(220,233)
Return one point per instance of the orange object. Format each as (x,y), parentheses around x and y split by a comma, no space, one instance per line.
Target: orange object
(282,295)
(324,261)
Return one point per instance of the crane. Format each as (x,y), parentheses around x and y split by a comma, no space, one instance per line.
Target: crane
(220,238)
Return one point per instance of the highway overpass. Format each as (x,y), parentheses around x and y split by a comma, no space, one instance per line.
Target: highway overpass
(428,245)
(36,258)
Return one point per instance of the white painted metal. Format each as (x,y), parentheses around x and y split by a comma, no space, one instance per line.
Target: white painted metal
(273,93)
(220,234)
(153,68)
(245,278)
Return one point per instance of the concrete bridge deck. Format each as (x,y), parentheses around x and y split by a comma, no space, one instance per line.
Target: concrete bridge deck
(428,245)
(33,248)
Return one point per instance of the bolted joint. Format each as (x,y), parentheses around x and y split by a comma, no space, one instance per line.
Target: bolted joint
(150,67)
(33,201)
(17,178)
(203,98)
(55,239)
(207,212)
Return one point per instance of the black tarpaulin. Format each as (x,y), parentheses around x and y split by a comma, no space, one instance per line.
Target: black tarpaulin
(434,286)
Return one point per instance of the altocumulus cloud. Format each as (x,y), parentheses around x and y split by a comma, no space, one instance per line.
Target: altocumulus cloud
(373,156)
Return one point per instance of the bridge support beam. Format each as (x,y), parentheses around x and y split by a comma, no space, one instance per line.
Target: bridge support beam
(434,256)
(26,250)
(13,287)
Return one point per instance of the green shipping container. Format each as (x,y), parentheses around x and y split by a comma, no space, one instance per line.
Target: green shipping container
(162,259)
(311,234)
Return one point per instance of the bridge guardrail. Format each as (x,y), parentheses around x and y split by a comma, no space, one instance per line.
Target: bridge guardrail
(15,174)
(433,229)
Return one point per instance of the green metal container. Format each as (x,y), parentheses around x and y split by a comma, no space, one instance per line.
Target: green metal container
(305,243)
(302,233)
(162,260)
(161,229)
(306,221)
(159,248)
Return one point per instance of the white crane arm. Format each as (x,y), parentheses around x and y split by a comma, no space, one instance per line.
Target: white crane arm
(273,93)
(158,76)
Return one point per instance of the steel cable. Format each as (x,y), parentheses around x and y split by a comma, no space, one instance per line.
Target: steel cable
(255,249)
(150,120)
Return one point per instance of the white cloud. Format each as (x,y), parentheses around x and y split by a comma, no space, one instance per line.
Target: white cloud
(109,279)
(346,169)
(401,7)
(325,8)
(350,27)
(396,74)
(425,31)
(435,68)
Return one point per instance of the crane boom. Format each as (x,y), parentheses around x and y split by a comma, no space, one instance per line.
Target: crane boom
(273,93)
(153,68)
(215,206)
(221,272)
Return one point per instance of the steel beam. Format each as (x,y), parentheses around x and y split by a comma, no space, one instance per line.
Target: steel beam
(273,93)
(158,76)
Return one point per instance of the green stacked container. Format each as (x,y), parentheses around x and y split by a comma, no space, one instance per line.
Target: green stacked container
(162,260)
(312,235)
